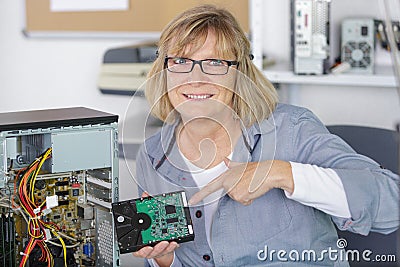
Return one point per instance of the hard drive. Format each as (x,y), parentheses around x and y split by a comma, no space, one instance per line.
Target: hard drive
(147,221)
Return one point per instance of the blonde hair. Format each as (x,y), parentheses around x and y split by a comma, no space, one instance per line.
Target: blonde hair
(255,97)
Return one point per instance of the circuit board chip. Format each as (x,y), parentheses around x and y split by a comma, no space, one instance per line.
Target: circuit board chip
(170,209)
(147,221)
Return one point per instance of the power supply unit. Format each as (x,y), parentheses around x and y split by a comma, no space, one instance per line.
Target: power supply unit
(358,44)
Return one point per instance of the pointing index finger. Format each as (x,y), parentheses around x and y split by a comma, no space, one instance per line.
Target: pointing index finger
(207,190)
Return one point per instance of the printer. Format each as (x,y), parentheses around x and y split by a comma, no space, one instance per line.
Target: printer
(124,70)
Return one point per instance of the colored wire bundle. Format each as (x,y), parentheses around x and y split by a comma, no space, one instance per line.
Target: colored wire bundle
(37,228)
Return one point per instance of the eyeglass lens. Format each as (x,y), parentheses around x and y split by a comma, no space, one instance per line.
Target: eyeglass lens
(208,66)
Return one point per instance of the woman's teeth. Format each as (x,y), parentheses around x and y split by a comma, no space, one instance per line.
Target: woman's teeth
(198,96)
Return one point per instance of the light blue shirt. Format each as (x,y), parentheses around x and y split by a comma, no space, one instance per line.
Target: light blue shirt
(246,235)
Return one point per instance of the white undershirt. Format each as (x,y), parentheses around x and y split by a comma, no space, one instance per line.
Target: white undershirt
(203,177)
(314,186)
(320,188)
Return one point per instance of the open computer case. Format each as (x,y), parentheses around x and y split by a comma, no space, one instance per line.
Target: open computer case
(58,178)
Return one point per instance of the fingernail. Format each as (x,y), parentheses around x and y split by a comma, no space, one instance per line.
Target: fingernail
(226,161)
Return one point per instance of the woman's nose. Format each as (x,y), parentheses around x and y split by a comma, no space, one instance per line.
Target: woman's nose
(197,74)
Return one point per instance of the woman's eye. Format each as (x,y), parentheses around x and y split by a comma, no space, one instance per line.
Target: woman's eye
(216,62)
(179,61)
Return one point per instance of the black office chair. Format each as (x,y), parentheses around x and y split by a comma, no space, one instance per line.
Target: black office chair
(383,146)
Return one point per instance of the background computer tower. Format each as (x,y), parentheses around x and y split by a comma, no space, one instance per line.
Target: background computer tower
(310,49)
(58,178)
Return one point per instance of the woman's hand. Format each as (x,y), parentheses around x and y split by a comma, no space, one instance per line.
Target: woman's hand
(162,253)
(245,182)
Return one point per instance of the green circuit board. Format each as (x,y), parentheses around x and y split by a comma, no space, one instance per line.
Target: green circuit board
(168,218)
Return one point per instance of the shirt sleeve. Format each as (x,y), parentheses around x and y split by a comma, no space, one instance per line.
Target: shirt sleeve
(372,192)
(153,263)
(320,188)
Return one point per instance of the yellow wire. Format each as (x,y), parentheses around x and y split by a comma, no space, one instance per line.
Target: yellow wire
(64,247)
(49,254)
(32,178)
(36,172)
(42,160)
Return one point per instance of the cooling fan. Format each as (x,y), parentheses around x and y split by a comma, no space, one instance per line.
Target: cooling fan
(357,54)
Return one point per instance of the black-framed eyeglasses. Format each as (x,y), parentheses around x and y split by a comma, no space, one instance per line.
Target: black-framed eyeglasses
(209,66)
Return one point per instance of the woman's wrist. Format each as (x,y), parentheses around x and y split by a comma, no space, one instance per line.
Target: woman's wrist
(165,260)
(282,172)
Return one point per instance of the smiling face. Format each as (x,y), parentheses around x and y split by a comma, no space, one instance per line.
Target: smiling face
(196,94)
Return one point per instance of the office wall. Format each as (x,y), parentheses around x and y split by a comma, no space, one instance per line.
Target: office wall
(53,72)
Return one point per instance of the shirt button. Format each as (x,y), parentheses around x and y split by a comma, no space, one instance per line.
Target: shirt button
(206,257)
(198,214)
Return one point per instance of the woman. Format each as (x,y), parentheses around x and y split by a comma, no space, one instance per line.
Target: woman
(261,176)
